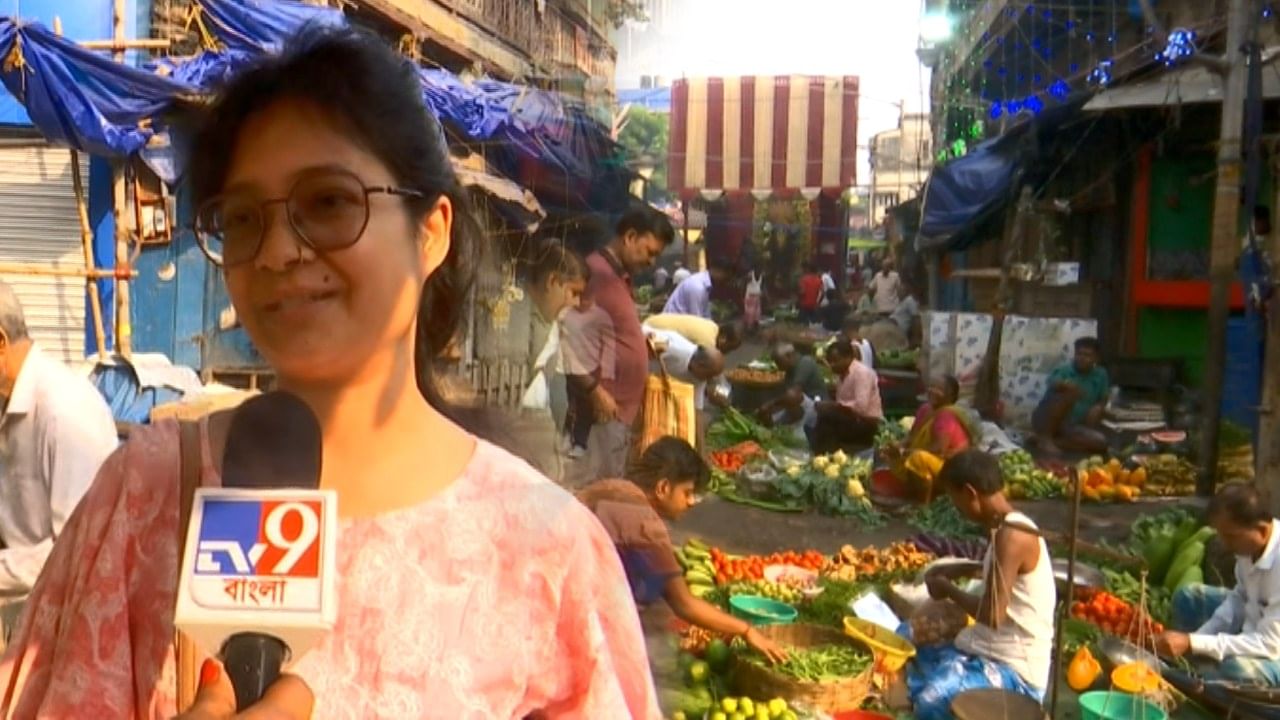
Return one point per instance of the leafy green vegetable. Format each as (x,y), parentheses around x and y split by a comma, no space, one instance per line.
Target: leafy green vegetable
(941,517)
(733,427)
(831,607)
(734,497)
(1077,632)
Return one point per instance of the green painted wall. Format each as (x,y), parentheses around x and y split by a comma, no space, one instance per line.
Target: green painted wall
(1181,203)
(1169,333)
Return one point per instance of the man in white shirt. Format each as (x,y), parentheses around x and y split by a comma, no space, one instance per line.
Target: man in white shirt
(828,284)
(660,278)
(1237,629)
(908,309)
(693,296)
(55,432)
(885,288)
(690,363)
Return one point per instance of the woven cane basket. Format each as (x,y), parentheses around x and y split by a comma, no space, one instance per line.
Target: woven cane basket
(832,697)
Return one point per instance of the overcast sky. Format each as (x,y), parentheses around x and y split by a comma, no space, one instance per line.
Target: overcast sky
(873,39)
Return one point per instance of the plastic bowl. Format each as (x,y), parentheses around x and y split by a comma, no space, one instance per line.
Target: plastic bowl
(811,589)
(1110,705)
(761,610)
(891,650)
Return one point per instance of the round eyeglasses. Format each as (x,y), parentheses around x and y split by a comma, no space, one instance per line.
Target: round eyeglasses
(328,210)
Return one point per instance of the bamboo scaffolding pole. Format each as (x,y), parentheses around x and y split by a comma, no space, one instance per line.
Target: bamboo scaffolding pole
(53,271)
(124,326)
(86,242)
(121,45)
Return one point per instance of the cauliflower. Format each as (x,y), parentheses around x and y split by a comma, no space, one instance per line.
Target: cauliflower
(840,457)
(854,489)
(832,471)
(821,462)
(793,471)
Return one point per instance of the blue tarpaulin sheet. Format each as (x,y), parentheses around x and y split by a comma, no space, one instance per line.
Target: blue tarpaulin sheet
(965,190)
(257,26)
(551,146)
(79,98)
(82,99)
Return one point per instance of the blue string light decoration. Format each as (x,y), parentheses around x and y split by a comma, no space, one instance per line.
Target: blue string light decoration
(1180,46)
(997,109)
(1101,75)
(1060,90)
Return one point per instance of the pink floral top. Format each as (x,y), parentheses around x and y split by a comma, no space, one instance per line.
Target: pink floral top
(501,597)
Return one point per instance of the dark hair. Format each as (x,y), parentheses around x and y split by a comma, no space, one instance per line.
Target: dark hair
(975,469)
(843,348)
(647,221)
(729,332)
(672,459)
(854,323)
(1262,213)
(552,257)
(952,386)
(374,96)
(810,266)
(1242,504)
(1089,343)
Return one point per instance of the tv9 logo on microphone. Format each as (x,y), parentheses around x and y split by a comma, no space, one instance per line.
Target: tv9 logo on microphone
(258,552)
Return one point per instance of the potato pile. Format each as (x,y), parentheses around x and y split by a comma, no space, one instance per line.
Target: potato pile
(937,622)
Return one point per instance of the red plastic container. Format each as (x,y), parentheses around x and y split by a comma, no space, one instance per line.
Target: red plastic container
(861,715)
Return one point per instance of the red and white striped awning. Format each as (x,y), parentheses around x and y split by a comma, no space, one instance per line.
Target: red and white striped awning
(790,134)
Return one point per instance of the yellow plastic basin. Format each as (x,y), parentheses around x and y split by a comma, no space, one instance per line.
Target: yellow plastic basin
(892,651)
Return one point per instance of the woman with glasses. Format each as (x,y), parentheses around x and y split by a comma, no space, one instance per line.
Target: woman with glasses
(469,585)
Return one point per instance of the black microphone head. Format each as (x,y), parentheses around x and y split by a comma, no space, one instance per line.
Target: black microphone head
(274,442)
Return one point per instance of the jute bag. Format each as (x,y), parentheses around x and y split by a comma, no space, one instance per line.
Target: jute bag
(189,479)
(669,409)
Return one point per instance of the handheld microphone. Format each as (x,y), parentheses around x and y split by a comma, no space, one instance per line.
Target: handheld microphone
(258,570)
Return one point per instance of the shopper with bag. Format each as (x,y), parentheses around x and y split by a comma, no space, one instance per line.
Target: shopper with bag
(556,280)
(752,301)
(642,234)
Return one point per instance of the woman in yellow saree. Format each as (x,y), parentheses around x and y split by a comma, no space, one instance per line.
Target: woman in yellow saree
(941,429)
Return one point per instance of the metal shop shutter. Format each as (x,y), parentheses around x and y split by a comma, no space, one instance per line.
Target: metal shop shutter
(40,225)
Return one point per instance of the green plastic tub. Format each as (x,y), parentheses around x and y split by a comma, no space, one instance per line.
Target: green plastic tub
(1110,705)
(761,610)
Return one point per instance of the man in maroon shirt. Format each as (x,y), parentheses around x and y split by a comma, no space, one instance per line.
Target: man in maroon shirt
(642,234)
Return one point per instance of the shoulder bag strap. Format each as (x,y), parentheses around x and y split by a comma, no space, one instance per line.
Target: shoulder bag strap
(189,479)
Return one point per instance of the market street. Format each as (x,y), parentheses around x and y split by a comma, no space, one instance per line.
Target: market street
(639,359)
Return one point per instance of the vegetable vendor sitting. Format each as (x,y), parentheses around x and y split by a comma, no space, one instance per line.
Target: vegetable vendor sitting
(802,385)
(1010,645)
(849,422)
(1236,632)
(1070,415)
(941,430)
(662,485)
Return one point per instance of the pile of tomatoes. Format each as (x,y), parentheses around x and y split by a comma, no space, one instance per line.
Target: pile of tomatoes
(751,567)
(1115,616)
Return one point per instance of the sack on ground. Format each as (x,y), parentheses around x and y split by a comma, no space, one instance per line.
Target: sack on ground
(937,622)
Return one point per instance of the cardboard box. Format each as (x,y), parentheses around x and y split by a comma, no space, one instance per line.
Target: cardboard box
(1061,273)
(198,406)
